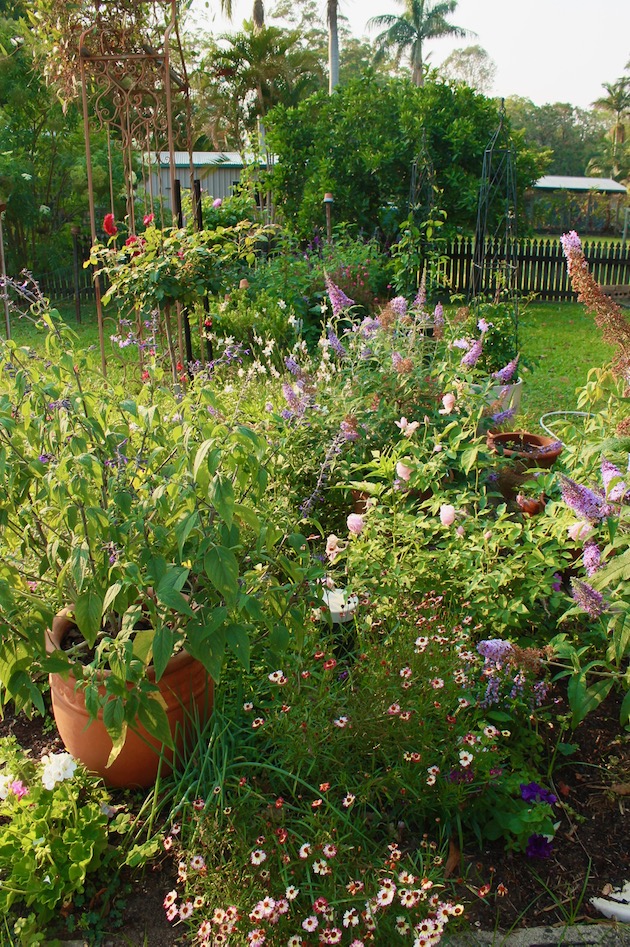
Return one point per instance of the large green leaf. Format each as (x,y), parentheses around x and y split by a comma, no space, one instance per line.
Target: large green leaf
(221,495)
(163,640)
(614,572)
(88,611)
(239,643)
(221,567)
(152,716)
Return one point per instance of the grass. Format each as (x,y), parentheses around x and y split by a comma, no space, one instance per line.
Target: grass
(559,341)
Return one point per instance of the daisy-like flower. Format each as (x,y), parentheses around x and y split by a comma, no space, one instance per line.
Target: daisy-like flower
(258,856)
(402,926)
(256,937)
(171,912)
(355,887)
(277,677)
(408,899)
(247,706)
(437,683)
(170,898)
(198,902)
(324,787)
(431,780)
(393,709)
(186,910)
(310,923)
(204,930)
(351,918)
(304,850)
(331,935)
(385,896)
(199,804)
(320,867)
(329,850)
(406,878)
(295,941)
(348,800)
(405,672)
(258,722)
(316,803)
(404,715)
(341,722)
(167,843)
(197,862)
(291,893)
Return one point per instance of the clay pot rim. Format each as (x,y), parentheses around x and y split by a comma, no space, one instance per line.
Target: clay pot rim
(525,437)
(61,623)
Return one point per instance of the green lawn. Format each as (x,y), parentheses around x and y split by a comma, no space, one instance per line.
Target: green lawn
(562,342)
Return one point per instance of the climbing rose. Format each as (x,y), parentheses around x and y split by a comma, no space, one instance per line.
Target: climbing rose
(109,225)
(447,514)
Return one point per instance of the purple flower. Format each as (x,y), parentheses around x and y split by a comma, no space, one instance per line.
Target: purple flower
(369,326)
(338,299)
(399,305)
(505,374)
(556,585)
(438,316)
(217,202)
(19,789)
(532,792)
(588,598)
(570,242)
(45,458)
(292,365)
(582,501)
(610,473)
(494,649)
(335,344)
(461,344)
(502,416)
(396,359)
(473,354)
(421,296)
(592,557)
(538,847)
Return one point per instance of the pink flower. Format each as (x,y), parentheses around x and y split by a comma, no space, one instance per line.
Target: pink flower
(217,202)
(579,530)
(19,789)
(355,523)
(449,400)
(109,225)
(403,471)
(407,427)
(333,547)
(148,219)
(447,514)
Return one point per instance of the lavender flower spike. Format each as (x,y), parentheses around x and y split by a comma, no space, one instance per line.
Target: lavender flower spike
(505,374)
(473,354)
(438,316)
(581,500)
(399,305)
(588,598)
(610,473)
(570,242)
(591,556)
(338,299)
(421,296)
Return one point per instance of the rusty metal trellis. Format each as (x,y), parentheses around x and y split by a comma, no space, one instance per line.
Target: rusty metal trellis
(138,93)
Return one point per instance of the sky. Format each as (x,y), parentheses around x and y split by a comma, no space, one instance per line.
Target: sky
(544,50)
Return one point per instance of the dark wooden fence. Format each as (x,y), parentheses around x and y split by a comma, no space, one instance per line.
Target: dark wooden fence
(540,265)
(540,269)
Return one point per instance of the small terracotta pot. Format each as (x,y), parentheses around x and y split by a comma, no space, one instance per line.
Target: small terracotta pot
(186,688)
(525,452)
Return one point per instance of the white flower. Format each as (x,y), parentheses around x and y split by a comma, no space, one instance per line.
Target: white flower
(5,785)
(57,767)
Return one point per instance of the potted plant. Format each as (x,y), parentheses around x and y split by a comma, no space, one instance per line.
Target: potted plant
(524,451)
(144,517)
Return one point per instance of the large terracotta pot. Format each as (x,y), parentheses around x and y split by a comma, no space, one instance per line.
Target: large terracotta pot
(525,451)
(187,690)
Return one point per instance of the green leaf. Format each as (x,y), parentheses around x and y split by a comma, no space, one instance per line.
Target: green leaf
(202,454)
(624,713)
(567,749)
(238,642)
(152,716)
(183,530)
(583,699)
(79,562)
(221,495)
(246,515)
(616,571)
(208,646)
(110,596)
(163,641)
(221,567)
(88,611)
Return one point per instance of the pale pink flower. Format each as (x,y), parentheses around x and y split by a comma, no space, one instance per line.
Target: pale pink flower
(448,403)
(356,523)
(333,547)
(579,530)
(407,427)
(447,514)
(403,472)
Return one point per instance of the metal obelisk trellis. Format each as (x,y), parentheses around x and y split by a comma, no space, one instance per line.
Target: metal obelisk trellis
(129,88)
(494,269)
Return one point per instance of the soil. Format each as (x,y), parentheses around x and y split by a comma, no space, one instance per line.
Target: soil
(591,850)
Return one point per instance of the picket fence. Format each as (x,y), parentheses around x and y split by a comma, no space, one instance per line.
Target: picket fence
(540,269)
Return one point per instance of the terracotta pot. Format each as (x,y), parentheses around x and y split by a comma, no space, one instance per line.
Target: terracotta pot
(186,688)
(525,451)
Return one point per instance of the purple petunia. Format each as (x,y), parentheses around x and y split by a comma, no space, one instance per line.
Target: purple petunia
(532,792)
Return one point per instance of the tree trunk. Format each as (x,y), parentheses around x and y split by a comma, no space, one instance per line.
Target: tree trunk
(258,15)
(333,47)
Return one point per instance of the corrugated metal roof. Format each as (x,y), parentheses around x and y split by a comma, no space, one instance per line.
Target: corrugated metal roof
(203,159)
(580,184)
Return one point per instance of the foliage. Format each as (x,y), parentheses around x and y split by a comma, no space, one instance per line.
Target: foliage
(360,144)
(500,333)
(147,516)
(54,834)
(471,65)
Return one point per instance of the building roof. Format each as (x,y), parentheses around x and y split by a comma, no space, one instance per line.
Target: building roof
(204,159)
(565,183)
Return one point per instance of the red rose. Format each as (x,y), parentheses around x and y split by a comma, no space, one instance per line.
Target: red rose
(109,225)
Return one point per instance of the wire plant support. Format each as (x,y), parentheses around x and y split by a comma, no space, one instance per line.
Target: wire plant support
(495,257)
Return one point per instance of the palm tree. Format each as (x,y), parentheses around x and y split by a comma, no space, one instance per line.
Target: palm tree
(617,103)
(421,20)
